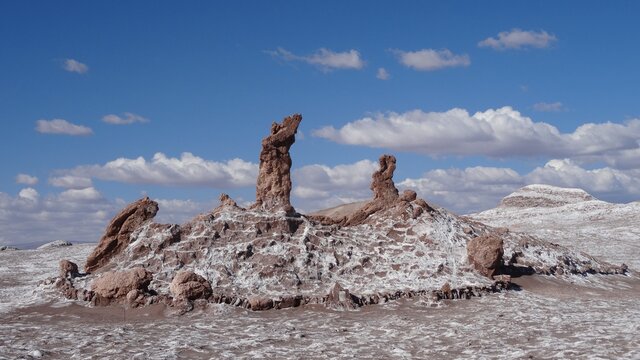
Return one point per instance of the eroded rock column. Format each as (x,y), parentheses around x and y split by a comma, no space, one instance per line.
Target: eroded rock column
(273,187)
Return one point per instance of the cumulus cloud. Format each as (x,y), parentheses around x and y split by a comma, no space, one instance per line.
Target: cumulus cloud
(320,186)
(71,182)
(80,195)
(29,219)
(604,181)
(548,107)
(77,215)
(26,179)
(62,127)
(177,211)
(500,133)
(519,39)
(187,170)
(431,59)
(30,194)
(383,74)
(324,59)
(75,66)
(126,119)
(465,190)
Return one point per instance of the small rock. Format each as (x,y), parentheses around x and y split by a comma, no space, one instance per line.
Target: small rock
(68,269)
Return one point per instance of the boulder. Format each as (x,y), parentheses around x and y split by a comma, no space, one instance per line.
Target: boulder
(485,254)
(115,285)
(341,299)
(259,303)
(117,235)
(190,286)
(68,269)
(273,187)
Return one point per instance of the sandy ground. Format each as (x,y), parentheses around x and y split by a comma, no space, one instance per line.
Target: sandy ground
(548,318)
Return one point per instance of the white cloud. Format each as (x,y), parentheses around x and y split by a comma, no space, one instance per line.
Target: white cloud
(79,195)
(30,194)
(605,181)
(188,170)
(325,59)
(62,127)
(548,107)
(465,190)
(26,179)
(461,190)
(126,119)
(519,39)
(320,186)
(29,219)
(177,211)
(430,59)
(78,215)
(71,182)
(75,66)
(382,74)
(499,133)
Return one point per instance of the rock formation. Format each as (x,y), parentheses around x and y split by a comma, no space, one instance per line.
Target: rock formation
(382,185)
(274,180)
(187,285)
(485,253)
(392,246)
(68,269)
(117,285)
(385,195)
(116,236)
(54,244)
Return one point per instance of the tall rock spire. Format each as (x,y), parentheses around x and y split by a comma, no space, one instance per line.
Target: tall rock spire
(273,187)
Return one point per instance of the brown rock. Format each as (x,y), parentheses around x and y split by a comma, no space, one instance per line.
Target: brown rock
(117,284)
(190,286)
(485,254)
(341,298)
(385,193)
(226,203)
(382,184)
(258,303)
(274,180)
(408,195)
(116,236)
(68,269)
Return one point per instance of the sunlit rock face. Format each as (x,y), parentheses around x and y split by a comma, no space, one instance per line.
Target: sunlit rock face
(268,256)
(274,179)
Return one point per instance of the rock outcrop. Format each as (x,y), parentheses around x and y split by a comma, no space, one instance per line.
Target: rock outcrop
(54,244)
(384,190)
(485,253)
(116,237)
(274,180)
(68,269)
(119,285)
(393,246)
(386,196)
(544,196)
(187,285)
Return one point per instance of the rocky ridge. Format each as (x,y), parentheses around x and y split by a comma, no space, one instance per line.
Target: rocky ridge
(573,218)
(269,256)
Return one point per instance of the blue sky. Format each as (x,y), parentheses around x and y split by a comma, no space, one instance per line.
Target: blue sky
(208,78)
